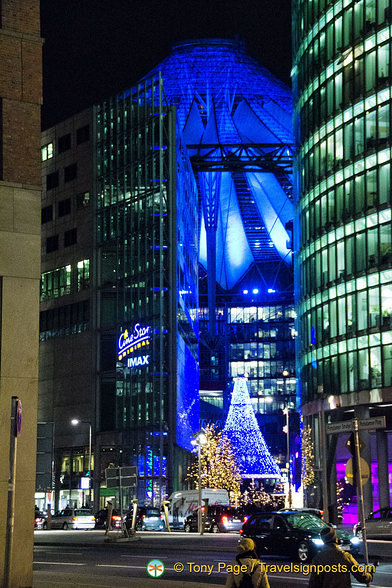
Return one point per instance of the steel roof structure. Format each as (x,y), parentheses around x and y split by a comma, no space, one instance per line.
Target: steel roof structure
(235,118)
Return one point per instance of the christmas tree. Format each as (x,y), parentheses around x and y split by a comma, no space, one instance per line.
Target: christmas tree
(242,430)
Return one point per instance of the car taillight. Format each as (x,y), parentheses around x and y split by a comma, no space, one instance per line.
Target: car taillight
(143,517)
(93,518)
(74,518)
(225,520)
(241,531)
(116,518)
(37,520)
(245,519)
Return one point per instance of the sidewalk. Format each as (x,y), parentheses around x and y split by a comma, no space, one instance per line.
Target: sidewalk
(46,579)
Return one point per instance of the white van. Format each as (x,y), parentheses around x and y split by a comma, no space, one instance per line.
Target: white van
(184,502)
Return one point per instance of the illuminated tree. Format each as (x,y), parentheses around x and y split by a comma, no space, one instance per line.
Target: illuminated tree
(246,438)
(307,457)
(256,496)
(218,465)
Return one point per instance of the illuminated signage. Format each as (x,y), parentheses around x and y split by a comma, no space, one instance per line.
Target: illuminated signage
(138,361)
(132,343)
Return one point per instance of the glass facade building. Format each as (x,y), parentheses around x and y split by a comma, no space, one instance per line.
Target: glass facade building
(147,285)
(235,118)
(342,119)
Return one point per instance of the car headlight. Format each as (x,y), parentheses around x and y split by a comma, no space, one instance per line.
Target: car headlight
(355,540)
(318,542)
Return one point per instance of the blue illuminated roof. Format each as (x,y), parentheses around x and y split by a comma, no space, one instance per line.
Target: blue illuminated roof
(225,98)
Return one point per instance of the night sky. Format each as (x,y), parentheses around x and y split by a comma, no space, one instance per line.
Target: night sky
(96,48)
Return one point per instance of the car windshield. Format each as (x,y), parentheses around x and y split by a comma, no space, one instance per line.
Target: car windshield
(153,512)
(83,513)
(230,510)
(305,521)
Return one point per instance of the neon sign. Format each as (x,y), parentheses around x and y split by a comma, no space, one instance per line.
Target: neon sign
(138,361)
(133,342)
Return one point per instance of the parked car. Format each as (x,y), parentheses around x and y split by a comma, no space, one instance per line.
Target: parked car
(39,519)
(378,525)
(72,518)
(293,533)
(101,519)
(148,518)
(220,518)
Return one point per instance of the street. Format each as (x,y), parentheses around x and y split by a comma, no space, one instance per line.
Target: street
(82,558)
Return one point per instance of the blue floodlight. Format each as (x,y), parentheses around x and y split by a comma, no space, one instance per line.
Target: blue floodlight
(255,291)
(245,291)
(271,291)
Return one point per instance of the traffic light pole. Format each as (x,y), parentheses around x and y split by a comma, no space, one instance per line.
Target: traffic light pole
(323,448)
(361,509)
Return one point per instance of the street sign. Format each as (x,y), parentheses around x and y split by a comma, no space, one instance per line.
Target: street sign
(363,425)
(351,474)
(339,427)
(121,476)
(371,424)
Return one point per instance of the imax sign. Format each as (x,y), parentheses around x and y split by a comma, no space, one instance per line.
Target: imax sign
(138,361)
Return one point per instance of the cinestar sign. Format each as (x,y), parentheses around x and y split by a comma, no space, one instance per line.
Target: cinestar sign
(133,341)
(138,361)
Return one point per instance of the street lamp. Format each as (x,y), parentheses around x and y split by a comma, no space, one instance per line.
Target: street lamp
(200,440)
(286,429)
(77,422)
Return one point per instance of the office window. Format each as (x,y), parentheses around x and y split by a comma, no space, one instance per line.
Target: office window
(70,237)
(82,134)
(46,214)
(83,200)
(83,275)
(52,243)
(64,207)
(52,180)
(56,282)
(70,172)
(64,143)
(47,152)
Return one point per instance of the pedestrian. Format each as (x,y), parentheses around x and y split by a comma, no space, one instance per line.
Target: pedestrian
(338,565)
(255,575)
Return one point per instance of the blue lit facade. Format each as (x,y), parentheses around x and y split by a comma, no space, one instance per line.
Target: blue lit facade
(147,285)
(342,115)
(235,118)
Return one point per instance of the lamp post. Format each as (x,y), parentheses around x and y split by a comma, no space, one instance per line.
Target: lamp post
(286,411)
(200,440)
(77,422)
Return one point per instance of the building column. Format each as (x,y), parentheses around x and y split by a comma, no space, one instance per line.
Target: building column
(382,468)
(362,412)
(210,190)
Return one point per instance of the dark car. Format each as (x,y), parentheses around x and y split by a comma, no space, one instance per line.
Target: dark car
(101,519)
(39,519)
(378,525)
(293,533)
(220,518)
(148,518)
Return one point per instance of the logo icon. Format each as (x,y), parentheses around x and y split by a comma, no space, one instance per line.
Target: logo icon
(155,568)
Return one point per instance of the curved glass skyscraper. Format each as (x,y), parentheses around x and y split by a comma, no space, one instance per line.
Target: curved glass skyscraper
(342,112)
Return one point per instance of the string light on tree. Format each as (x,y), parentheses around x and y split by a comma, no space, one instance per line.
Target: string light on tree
(307,457)
(219,465)
(247,441)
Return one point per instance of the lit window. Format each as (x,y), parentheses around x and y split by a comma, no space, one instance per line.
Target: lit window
(47,152)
